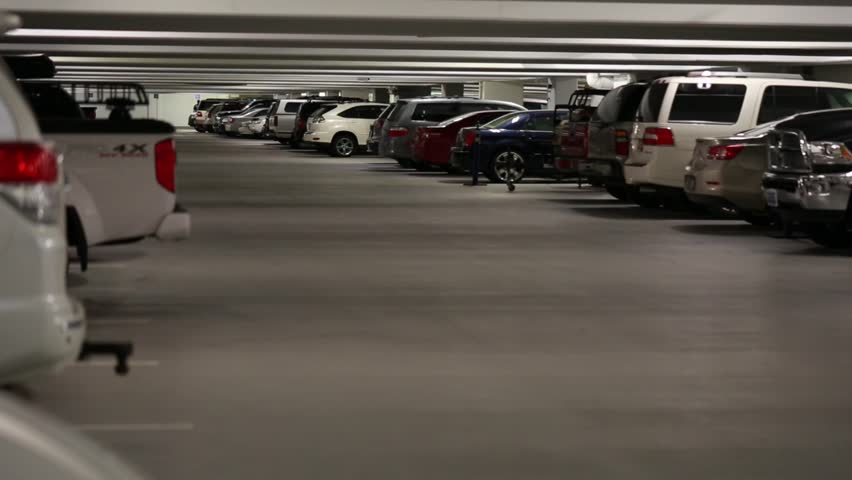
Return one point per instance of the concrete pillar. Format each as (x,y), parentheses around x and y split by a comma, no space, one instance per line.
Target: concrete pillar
(411,91)
(508,91)
(381,95)
(355,93)
(452,89)
(561,90)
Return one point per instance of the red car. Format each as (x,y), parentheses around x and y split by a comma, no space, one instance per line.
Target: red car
(432,144)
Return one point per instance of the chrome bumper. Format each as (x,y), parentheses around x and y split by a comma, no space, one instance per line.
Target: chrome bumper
(829,192)
(825,192)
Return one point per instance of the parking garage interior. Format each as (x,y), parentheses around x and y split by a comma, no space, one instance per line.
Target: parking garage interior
(354,317)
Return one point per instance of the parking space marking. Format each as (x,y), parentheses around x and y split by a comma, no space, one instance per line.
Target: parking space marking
(107,264)
(119,322)
(136,427)
(111,363)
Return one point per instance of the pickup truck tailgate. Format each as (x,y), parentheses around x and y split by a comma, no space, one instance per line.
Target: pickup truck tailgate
(113,179)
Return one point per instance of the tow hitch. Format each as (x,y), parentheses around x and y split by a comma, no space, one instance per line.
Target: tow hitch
(120,350)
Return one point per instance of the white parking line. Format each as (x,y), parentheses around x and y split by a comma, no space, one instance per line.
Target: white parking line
(136,427)
(107,264)
(111,363)
(120,322)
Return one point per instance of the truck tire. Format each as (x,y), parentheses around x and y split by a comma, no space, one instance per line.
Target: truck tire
(343,145)
(506,164)
(619,192)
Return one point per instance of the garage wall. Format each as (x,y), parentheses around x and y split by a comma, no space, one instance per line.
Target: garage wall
(175,107)
(833,73)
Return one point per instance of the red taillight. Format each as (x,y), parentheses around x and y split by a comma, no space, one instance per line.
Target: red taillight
(380,123)
(230,120)
(198,114)
(27,163)
(658,136)
(622,143)
(165,159)
(469,138)
(302,123)
(724,152)
(398,132)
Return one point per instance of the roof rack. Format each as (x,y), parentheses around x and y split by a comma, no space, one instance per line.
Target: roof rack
(732,74)
(99,93)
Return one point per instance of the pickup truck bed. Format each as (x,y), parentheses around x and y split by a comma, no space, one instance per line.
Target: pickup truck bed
(113,179)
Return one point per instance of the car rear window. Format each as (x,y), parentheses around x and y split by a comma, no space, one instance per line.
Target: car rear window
(512,121)
(707,103)
(291,107)
(621,104)
(396,113)
(783,101)
(435,111)
(482,116)
(652,102)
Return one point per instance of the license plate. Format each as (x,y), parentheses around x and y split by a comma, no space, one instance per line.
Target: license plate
(771,197)
(689,183)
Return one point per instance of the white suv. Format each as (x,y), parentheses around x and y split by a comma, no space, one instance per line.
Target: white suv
(41,327)
(343,128)
(676,111)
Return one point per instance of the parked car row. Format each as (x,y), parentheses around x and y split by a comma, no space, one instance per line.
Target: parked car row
(337,125)
(765,147)
(720,140)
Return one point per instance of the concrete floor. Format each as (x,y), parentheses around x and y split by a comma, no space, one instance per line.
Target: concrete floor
(346,319)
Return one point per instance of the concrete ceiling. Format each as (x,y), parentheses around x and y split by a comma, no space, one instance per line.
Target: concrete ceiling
(279,45)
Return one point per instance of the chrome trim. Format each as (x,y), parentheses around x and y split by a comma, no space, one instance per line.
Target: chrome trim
(825,192)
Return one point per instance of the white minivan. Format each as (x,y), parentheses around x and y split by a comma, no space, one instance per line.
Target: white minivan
(41,327)
(676,111)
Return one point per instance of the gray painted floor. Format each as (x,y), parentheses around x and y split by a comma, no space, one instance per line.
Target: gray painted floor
(346,319)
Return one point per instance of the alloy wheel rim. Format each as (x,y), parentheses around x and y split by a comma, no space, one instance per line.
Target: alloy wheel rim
(509,165)
(345,147)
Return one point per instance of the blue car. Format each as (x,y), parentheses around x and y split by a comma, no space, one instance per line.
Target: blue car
(509,147)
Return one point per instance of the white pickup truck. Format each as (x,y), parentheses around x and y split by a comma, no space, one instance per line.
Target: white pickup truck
(41,326)
(120,173)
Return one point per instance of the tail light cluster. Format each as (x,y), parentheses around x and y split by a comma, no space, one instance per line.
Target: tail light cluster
(655,136)
(165,161)
(199,114)
(29,181)
(302,123)
(724,152)
(622,143)
(469,138)
(398,132)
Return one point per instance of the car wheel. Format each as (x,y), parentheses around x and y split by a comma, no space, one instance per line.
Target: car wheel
(644,200)
(343,145)
(830,236)
(506,165)
(756,219)
(422,166)
(619,192)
